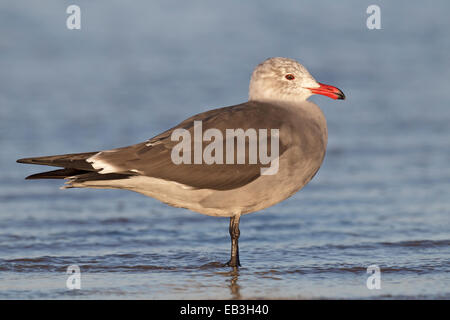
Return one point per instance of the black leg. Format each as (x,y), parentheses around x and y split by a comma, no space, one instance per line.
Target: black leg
(234,234)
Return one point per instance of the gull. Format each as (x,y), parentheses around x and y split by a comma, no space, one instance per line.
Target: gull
(278,93)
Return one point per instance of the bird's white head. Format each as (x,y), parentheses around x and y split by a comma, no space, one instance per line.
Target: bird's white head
(283,79)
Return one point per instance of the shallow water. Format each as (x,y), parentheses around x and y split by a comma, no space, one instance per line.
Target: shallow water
(381,196)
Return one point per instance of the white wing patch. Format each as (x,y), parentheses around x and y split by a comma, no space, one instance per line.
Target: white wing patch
(151,144)
(101,165)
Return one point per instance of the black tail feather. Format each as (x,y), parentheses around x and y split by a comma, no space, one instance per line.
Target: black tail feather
(56,174)
(75,167)
(73,160)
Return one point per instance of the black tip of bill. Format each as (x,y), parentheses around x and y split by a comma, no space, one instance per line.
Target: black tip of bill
(341,95)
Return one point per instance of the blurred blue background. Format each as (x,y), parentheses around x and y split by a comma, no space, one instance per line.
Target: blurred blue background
(135,69)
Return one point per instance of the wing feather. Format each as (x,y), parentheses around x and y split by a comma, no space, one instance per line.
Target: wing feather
(153,157)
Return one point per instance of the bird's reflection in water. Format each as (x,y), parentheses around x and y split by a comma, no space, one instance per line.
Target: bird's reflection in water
(232,277)
(234,286)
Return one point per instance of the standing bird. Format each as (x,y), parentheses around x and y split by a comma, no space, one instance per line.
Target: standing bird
(277,103)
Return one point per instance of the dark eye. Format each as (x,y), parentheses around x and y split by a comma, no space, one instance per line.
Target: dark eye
(289,76)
